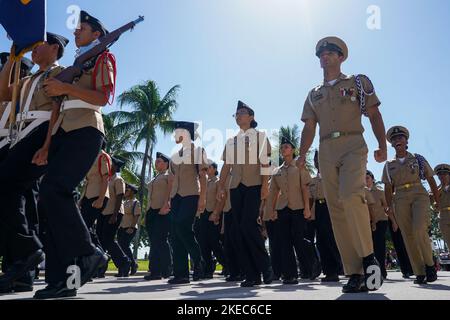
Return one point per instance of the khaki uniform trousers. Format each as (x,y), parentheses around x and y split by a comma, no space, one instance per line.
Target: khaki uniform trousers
(343,163)
(412,212)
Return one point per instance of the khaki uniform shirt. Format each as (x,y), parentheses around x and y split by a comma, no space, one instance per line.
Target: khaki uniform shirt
(246,153)
(73,119)
(336,108)
(444,208)
(227,207)
(397,174)
(316,188)
(377,207)
(39,101)
(157,191)
(185,167)
(211,193)
(286,182)
(100,168)
(132,209)
(116,187)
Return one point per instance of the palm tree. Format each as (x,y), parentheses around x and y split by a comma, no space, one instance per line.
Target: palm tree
(118,142)
(293,134)
(149,113)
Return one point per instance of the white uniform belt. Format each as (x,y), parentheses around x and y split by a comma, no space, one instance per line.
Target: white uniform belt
(33,115)
(79,104)
(4,133)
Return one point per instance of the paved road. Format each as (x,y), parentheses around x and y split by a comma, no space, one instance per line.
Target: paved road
(135,288)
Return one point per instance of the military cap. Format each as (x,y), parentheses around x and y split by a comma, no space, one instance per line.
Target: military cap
(162,156)
(132,188)
(26,65)
(369,173)
(397,131)
(332,44)
(285,140)
(53,38)
(118,163)
(442,168)
(189,126)
(242,105)
(96,24)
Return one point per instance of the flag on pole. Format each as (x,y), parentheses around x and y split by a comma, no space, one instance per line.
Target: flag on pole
(24,22)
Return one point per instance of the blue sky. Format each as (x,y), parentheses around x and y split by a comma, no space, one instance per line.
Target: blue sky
(262,52)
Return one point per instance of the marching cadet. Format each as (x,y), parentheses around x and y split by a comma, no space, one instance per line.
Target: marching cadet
(330,258)
(443,172)
(95,193)
(289,197)
(186,197)
(247,155)
(337,106)
(210,225)
(231,251)
(128,226)
(78,135)
(18,175)
(109,221)
(157,222)
(411,204)
(379,221)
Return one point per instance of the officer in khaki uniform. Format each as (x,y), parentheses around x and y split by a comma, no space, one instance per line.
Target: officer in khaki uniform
(19,175)
(78,136)
(108,222)
(247,157)
(379,221)
(128,226)
(157,222)
(95,193)
(231,251)
(337,106)
(330,258)
(289,196)
(210,225)
(187,196)
(443,172)
(409,202)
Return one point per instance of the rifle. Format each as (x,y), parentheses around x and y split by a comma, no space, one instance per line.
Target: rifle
(69,74)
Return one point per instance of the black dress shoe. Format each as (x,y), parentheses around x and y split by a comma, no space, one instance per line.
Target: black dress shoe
(431,273)
(373,279)
(290,281)
(209,276)
(406,275)
(234,279)
(250,283)
(19,268)
(55,291)
(420,280)
(178,281)
(355,284)
(124,271)
(330,278)
(89,265)
(268,276)
(150,277)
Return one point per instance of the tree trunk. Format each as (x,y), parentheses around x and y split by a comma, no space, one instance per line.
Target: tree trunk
(137,239)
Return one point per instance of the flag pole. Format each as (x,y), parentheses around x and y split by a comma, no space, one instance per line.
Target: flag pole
(15,95)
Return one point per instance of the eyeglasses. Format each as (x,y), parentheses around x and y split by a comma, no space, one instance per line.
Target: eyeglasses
(240,113)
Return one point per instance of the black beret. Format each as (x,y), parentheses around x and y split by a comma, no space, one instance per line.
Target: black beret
(189,126)
(53,38)
(285,140)
(162,156)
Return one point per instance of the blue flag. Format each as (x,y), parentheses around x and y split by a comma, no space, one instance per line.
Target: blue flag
(24,21)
